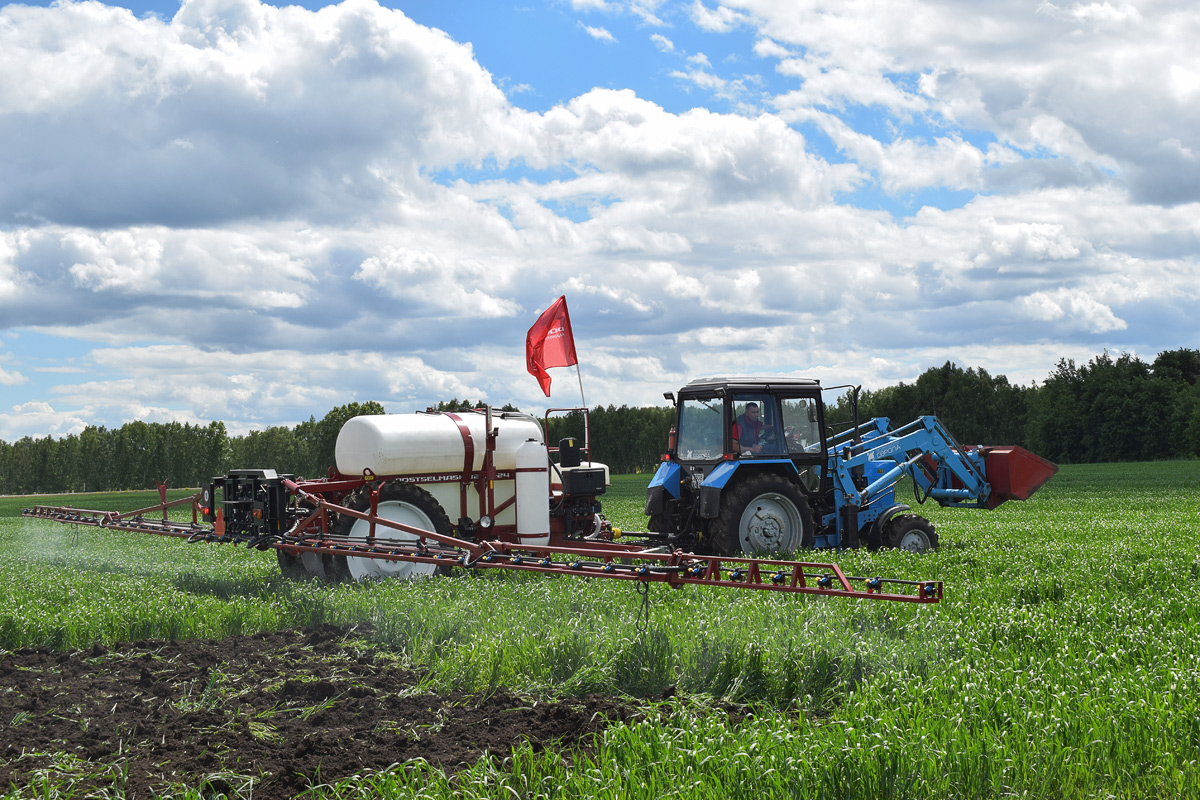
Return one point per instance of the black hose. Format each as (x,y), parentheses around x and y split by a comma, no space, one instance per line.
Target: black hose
(562,498)
(261,540)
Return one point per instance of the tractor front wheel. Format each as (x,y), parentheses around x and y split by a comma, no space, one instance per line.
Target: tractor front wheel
(762,514)
(912,533)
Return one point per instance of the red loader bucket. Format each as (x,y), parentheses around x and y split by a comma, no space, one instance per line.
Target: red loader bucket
(1014,473)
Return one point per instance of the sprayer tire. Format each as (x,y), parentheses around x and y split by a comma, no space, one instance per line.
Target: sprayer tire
(398,502)
(910,532)
(291,566)
(763,513)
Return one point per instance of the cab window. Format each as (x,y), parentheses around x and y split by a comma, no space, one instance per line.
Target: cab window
(755,428)
(801,426)
(701,435)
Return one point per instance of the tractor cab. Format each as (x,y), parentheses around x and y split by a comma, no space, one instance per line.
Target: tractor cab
(734,431)
(723,419)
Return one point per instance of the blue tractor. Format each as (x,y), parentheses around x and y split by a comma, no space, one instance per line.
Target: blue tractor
(752,467)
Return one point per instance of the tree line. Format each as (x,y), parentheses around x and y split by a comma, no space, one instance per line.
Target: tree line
(1109,409)
(138,454)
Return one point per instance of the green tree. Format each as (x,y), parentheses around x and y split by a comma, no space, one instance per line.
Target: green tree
(1178,366)
(1056,417)
(6,466)
(214,451)
(626,439)
(277,448)
(95,459)
(975,407)
(1118,409)
(454,404)
(1176,374)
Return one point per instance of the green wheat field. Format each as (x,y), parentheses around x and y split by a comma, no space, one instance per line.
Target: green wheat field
(1063,662)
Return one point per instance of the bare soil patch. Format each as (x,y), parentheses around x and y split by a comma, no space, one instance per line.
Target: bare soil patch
(284,706)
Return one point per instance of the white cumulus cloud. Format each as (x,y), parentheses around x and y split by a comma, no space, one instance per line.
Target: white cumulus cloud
(600,34)
(254,213)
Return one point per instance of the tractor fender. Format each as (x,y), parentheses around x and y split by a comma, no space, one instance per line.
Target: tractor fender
(875,532)
(714,484)
(669,477)
(667,480)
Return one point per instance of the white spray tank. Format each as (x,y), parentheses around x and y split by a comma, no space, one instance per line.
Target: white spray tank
(436,450)
(416,444)
(533,493)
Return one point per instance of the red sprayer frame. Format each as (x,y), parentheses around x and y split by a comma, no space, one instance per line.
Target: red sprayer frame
(583,557)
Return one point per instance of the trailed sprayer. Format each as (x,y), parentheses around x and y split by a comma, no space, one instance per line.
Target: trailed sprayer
(422,494)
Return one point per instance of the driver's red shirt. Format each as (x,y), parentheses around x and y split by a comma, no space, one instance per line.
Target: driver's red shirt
(745,432)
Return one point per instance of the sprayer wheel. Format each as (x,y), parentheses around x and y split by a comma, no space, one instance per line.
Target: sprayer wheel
(910,532)
(291,566)
(398,502)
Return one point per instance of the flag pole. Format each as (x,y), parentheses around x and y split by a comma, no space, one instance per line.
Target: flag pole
(587,433)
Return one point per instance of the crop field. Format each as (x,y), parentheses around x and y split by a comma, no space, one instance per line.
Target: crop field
(1063,662)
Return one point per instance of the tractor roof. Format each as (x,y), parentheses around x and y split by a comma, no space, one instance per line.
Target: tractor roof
(753,383)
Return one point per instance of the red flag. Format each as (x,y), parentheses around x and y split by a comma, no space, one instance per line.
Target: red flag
(549,343)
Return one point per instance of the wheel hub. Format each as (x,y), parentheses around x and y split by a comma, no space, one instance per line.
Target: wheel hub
(770,523)
(393,511)
(765,527)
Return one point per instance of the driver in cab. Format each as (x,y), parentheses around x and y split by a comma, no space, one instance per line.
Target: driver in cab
(747,429)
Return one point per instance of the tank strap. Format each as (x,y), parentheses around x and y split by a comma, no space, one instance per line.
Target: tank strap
(468,446)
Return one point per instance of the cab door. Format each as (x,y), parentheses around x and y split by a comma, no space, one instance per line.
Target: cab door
(801,416)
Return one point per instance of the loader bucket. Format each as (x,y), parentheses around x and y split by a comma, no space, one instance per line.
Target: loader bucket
(1014,473)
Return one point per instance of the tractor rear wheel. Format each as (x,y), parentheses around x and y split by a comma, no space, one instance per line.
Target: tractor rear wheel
(398,502)
(912,533)
(762,514)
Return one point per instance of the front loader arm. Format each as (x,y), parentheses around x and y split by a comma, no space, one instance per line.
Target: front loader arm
(941,468)
(924,450)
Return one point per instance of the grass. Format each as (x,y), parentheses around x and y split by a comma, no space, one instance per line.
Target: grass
(1061,663)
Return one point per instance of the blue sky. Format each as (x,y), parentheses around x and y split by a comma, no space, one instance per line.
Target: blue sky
(224,209)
